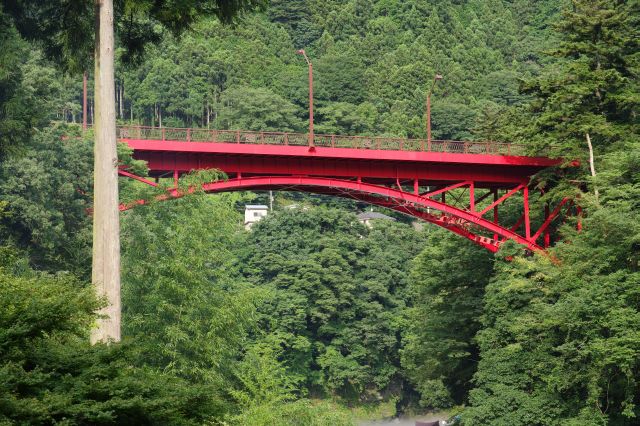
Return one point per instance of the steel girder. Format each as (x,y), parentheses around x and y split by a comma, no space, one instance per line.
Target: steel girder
(464,220)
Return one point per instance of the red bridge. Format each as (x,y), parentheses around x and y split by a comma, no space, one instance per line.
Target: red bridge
(457,185)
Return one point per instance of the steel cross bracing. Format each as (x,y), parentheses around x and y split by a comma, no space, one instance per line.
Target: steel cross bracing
(457,185)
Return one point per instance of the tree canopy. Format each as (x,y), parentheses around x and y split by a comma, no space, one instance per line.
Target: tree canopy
(311,315)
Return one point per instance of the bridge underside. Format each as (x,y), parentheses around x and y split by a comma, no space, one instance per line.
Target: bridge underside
(461,192)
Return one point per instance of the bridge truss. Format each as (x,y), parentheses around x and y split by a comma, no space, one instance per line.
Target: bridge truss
(457,185)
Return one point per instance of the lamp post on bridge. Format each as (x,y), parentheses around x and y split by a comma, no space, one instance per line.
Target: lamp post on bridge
(435,79)
(311,136)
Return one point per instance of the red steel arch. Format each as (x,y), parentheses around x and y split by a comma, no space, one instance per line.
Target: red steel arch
(462,222)
(458,176)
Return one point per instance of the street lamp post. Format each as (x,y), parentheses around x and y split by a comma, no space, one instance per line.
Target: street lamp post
(311,144)
(435,78)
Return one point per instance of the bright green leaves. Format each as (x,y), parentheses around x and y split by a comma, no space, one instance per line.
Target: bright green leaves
(182,300)
(65,27)
(258,109)
(50,374)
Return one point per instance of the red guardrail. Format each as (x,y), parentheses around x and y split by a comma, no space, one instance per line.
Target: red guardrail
(320,140)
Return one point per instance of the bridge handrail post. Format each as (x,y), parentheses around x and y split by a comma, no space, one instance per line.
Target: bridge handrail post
(237,136)
(333,141)
(262,138)
(286,138)
(189,135)
(163,136)
(428,145)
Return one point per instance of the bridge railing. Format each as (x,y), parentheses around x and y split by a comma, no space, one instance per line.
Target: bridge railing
(321,140)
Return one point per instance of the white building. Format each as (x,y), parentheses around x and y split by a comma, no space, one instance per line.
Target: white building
(253,213)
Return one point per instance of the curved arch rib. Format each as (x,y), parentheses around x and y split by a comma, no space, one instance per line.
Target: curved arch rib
(454,219)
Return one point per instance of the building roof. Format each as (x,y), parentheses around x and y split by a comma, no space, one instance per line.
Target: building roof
(255,207)
(373,215)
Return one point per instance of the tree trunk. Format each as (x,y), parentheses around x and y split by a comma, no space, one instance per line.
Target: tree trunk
(208,115)
(106,221)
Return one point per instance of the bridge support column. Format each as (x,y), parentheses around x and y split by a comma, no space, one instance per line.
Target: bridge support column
(472,197)
(527,223)
(495,211)
(547,235)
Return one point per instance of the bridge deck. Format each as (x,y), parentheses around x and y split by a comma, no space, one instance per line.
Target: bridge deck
(409,176)
(372,159)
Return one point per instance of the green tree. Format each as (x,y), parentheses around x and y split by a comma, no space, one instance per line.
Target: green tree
(440,352)
(46,362)
(339,295)
(47,192)
(26,89)
(182,302)
(559,342)
(258,109)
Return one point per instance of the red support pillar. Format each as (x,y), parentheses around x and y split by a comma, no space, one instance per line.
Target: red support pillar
(416,189)
(547,235)
(579,214)
(472,197)
(527,223)
(495,211)
(175,179)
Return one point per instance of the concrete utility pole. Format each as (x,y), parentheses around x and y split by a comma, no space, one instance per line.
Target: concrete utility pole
(106,220)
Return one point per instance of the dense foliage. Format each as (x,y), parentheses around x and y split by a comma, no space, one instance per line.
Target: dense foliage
(373,63)
(225,325)
(338,296)
(440,352)
(559,343)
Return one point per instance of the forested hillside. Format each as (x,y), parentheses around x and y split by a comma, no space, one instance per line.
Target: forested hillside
(311,317)
(373,63)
